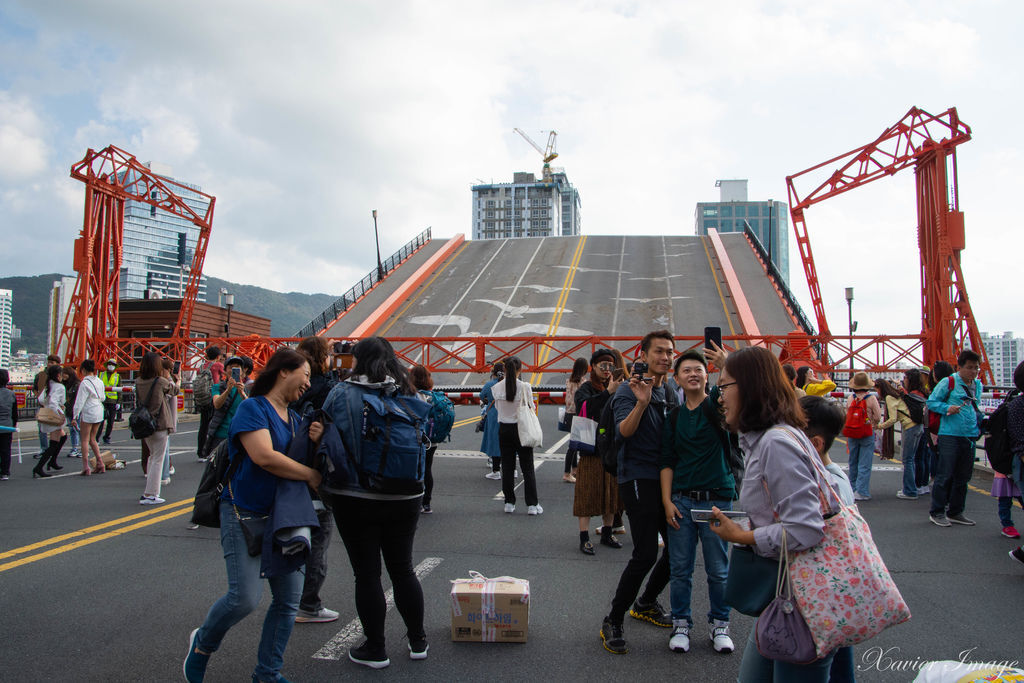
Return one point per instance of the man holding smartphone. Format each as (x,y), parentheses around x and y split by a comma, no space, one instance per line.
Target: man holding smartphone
(695,475)
(640,407)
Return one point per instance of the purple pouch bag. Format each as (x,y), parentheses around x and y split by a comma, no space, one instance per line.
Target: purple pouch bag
(781,632)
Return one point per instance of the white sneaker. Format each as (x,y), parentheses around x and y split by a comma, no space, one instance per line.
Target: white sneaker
(151,500)
(165,482)
(171,471)
(921,490)
(515,475)
(510,507)
(320,616)
(535,510)
(679,641)
(492,475)
(720,636)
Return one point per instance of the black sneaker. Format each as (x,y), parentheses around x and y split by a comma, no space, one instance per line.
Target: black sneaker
(375,658)
(1018,554)
(654,613)
(614,641)
(426,509)
(418,648)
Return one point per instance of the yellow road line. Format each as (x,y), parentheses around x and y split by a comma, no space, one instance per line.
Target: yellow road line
(89,530)
(467,421)
(95,539)
(563,298)
(718,286)
(422,289)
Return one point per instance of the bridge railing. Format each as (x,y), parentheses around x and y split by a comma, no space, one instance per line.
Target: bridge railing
(358,290)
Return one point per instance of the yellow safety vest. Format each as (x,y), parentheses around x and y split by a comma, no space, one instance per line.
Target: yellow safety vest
(110,381)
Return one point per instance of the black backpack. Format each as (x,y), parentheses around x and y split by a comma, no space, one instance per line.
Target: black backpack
(141,422)
(997,444)
(730,442)
(915,408)
(219,470)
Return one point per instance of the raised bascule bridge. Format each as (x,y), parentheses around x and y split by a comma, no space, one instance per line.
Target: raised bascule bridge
(456,306)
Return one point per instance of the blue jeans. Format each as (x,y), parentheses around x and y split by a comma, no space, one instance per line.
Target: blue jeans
(682,554)
(861,453)
(911,439)
(1006,502)
(73,434)
(953,470)
(245,588)
(756,668)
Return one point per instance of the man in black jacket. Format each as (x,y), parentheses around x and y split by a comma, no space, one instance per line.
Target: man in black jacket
(640,408)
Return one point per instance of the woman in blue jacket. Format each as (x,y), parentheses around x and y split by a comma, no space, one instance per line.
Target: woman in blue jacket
(489,442)
(261,432)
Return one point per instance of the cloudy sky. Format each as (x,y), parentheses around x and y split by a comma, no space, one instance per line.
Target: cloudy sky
(301,117)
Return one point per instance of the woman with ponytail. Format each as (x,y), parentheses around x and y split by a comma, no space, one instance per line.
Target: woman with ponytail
(507,395)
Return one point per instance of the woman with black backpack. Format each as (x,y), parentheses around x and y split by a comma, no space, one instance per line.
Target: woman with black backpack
(376,509)
(908,409)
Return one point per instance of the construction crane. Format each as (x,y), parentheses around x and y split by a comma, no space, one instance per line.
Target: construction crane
(547,153)
(928,144)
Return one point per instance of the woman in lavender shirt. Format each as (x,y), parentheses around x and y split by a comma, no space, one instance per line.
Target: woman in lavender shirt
(780,485)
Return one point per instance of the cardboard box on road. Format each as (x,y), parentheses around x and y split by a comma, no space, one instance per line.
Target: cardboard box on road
(107,457)
(490,610)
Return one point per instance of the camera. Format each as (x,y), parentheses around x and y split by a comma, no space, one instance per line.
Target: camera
(640,368)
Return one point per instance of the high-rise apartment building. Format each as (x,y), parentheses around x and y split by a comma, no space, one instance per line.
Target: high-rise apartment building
(1004,353)
(768,220)
(158,246)
(526,207)
(6,326)
(60,300)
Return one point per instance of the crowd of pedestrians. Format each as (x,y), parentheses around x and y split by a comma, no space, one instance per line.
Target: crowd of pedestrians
(697,462)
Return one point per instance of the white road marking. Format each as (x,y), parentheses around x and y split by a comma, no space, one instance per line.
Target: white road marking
(558,444)
(353,630)
(78,473)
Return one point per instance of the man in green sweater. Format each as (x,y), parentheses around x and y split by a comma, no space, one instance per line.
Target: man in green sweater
(695,475)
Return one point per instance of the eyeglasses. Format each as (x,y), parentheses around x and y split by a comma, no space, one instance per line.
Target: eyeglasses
(607,367)
(727,384)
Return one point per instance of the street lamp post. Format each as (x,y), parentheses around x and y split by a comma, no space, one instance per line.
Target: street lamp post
(229,302)
(849,306)
(376,237)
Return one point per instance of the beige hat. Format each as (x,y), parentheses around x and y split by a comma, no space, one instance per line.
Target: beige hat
(861,381)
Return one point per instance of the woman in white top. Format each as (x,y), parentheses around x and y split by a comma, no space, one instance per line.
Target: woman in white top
(507,395)
(88,415)
(53,398)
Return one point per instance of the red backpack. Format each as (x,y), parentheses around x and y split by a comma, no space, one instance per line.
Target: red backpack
(857,424)
(935,419)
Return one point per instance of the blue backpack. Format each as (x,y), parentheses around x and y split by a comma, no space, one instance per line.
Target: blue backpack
(388,451)
(441,416)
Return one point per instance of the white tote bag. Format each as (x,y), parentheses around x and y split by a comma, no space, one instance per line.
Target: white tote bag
(530,433)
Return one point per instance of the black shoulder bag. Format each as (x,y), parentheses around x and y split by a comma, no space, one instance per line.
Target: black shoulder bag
(141,422)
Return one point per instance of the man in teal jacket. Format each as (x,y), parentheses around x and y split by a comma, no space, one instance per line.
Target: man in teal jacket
(956,400)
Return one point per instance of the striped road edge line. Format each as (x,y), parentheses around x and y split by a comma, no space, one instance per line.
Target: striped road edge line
(353,630)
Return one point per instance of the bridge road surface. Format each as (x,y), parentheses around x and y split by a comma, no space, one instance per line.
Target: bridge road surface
(581,286)
(120,608)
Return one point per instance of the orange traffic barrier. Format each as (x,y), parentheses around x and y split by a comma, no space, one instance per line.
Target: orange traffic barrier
(391,304)
(732,281)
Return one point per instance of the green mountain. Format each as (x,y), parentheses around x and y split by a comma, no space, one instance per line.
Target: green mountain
(288,312)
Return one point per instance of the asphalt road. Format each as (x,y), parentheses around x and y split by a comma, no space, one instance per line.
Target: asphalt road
(94,587)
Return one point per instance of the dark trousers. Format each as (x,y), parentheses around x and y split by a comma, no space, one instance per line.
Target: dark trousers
(428,476)
(642,499)
(508,441)
(205,413)
(109,413)
(570,460)
(316,565)
(370,529)
(953,469)
(923,460)
(5,454)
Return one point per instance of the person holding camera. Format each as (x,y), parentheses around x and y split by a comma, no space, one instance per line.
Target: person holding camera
(227,397)
(640,407)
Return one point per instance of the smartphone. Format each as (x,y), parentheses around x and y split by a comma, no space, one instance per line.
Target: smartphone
(236,374)
(712,334)
(707,515)
(177,367)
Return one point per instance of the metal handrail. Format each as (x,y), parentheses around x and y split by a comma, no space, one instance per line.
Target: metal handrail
(349,298)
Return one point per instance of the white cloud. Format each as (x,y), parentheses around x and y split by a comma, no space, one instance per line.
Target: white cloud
(22,148)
